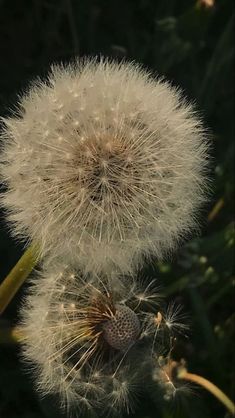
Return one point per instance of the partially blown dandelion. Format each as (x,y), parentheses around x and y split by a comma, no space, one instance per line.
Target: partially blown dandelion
(93,334)
(103,164)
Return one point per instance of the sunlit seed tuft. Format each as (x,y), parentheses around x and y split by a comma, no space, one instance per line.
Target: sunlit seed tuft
(115,161)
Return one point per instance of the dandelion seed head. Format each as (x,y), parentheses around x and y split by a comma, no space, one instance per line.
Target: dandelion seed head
(85,335)
(107,157)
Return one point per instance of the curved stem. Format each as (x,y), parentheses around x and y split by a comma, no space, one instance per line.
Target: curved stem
(206,384)
(17,276)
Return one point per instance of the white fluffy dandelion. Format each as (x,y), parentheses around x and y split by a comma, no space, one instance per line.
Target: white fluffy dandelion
(103,164)
(84,338)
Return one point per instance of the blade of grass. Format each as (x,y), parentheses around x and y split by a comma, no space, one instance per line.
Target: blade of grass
(215,66)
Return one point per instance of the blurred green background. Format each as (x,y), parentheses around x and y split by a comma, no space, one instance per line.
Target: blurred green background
(190,43)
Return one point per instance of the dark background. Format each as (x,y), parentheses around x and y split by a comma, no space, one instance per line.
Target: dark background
(192,45)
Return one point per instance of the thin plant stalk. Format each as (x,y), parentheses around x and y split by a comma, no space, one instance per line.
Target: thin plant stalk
(11,335)
(216,209)
(17,276)
(206,384)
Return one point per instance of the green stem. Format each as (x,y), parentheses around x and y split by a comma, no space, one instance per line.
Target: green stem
(17,276)
(206,384)
(11,335)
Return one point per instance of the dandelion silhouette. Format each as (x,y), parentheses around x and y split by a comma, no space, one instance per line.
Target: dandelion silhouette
(94,332)
(103,164)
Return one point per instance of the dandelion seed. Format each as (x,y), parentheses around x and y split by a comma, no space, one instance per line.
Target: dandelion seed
(113,167)
(175,319)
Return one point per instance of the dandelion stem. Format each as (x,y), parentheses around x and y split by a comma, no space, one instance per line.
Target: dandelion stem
(11,335)
(216,209)
(17,276)
(206,384)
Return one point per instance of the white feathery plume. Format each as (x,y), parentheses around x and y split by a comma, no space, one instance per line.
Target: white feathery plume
(103,164)
(85,335)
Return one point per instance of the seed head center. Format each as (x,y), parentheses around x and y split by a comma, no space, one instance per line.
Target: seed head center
(122,330)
